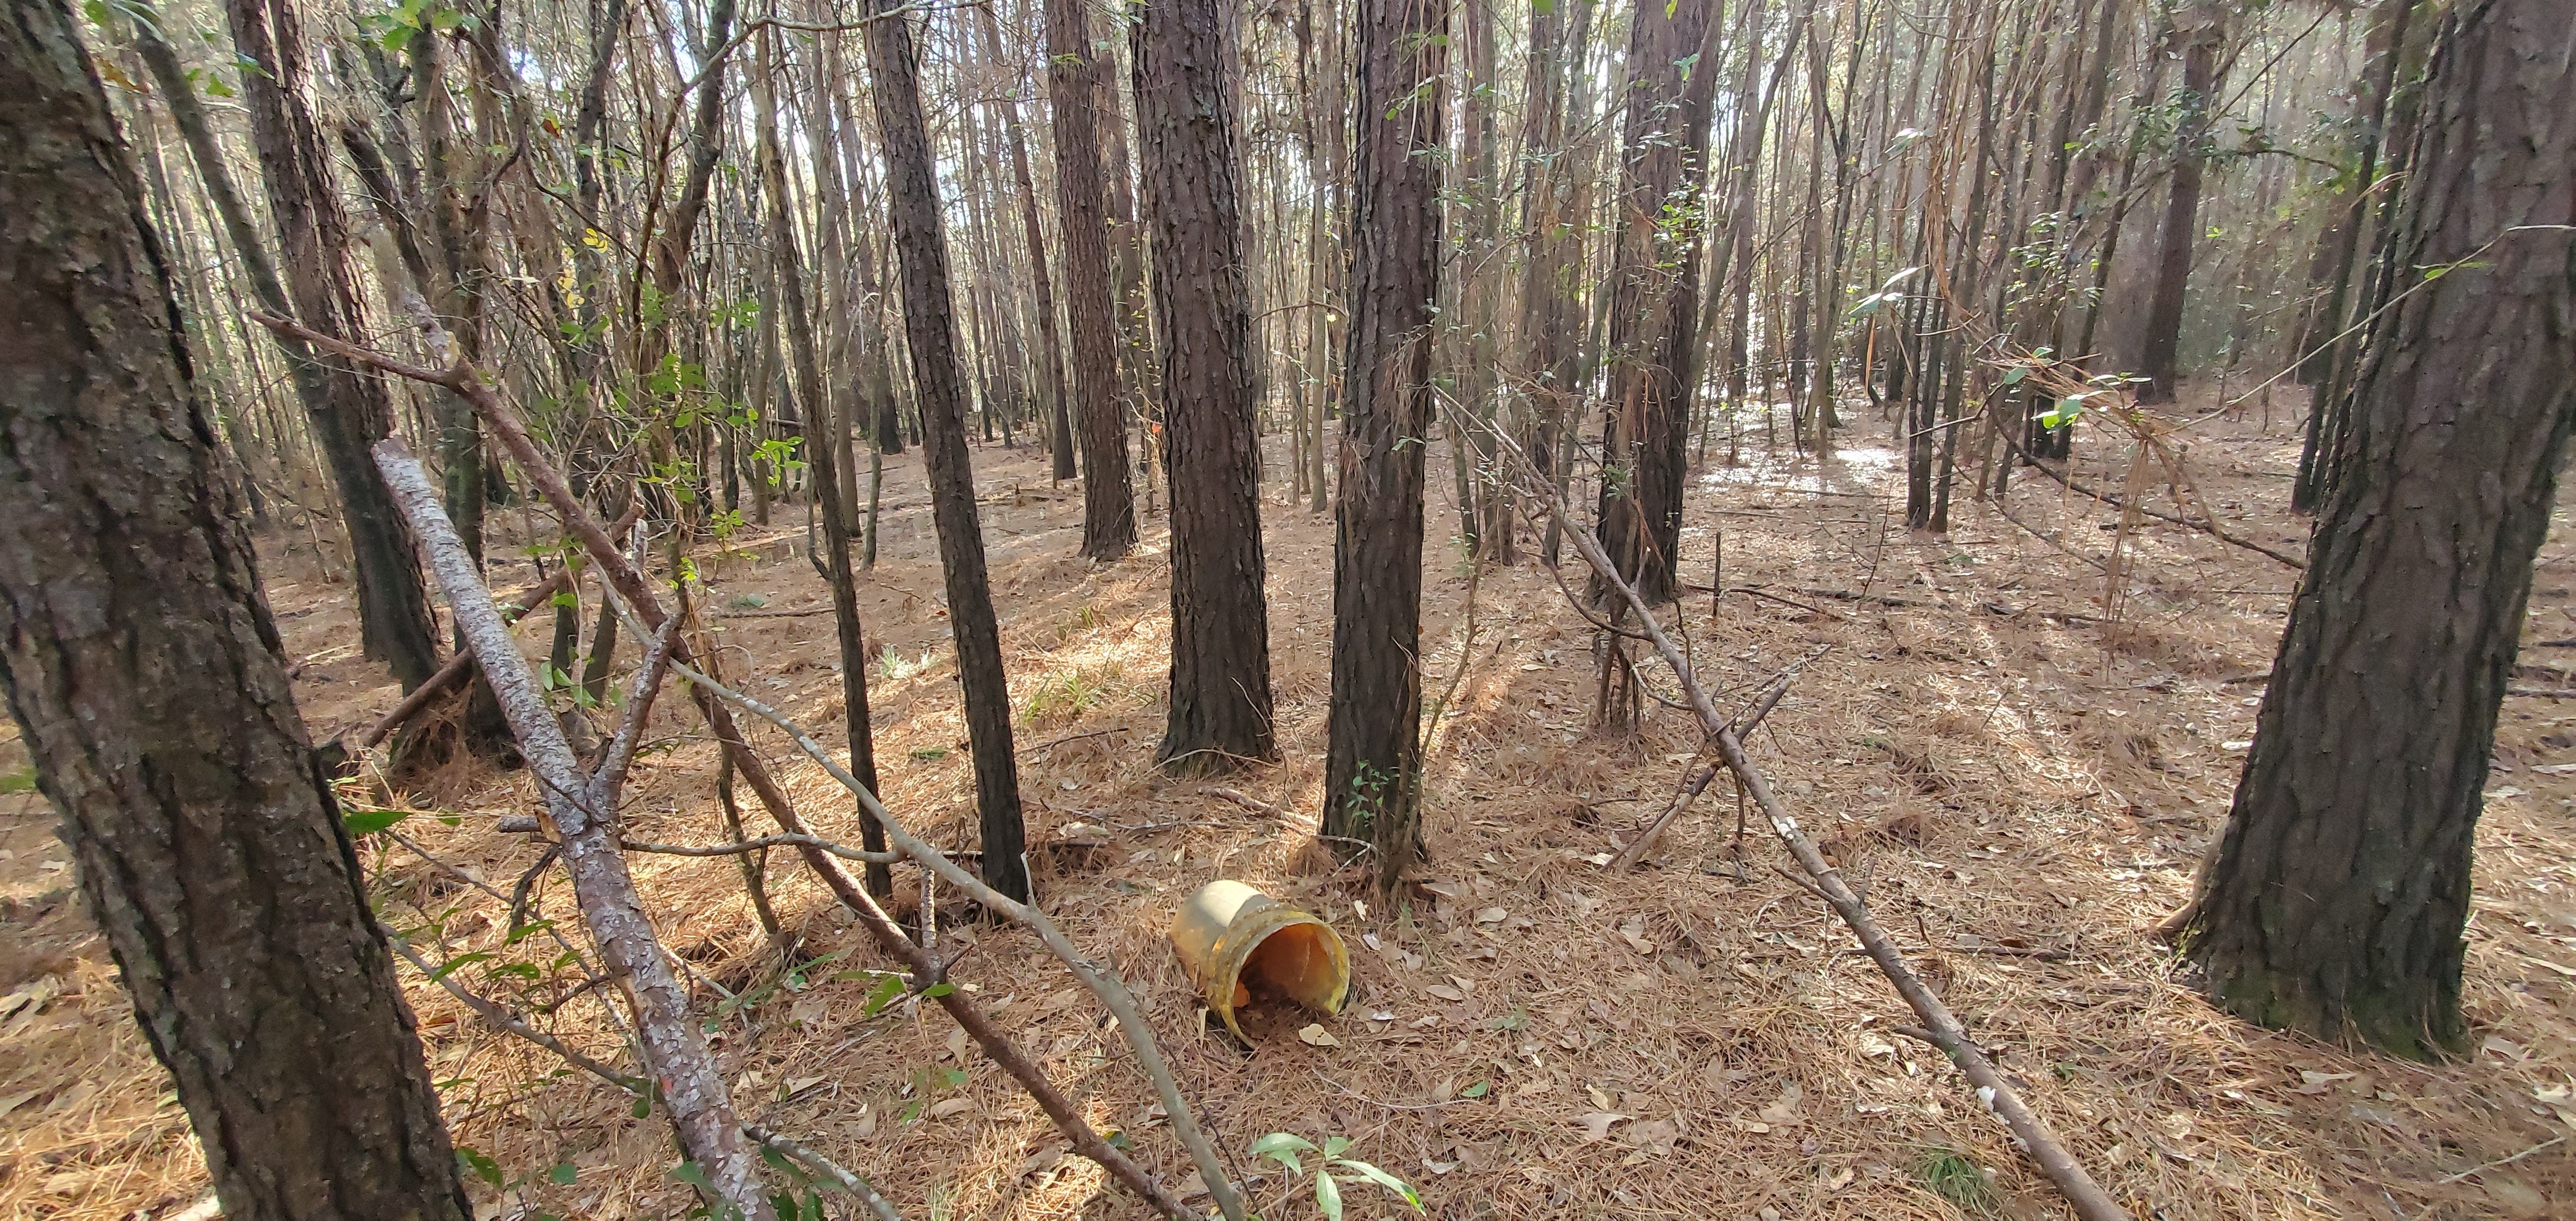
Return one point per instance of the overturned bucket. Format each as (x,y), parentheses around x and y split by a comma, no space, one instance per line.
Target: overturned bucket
(1237,943)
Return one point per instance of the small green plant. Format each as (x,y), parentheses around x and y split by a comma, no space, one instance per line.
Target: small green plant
(1332,1170)
(926,754)
(1062,695)
(1950,1175)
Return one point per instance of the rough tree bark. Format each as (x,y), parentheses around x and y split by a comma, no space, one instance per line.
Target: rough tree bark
(1654,311)
(1220,704)
(1372,770)
(313,233)
(830,474)
(2200,29)
(2335,899)
(140,660)
(922,251)
(1073,81)
(1041,286)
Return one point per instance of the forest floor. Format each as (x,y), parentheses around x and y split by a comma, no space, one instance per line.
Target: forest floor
(2023,786)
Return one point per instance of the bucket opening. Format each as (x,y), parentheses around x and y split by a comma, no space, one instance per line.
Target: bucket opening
(1294,964)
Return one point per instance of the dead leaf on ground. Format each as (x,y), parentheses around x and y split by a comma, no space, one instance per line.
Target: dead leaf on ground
(1596,1124)
(1314,1035)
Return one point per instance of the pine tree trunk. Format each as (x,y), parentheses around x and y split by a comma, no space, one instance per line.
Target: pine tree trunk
(1108,495)
(144,670)
(2335,899)
(832,479)
(313,236)
(2181,229)
(1654,312)
(1220,704)
(1372,770)
(921,250)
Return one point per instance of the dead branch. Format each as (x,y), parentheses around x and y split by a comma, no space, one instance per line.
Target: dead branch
(510,1023)
(633,597)
(2030,1132)
(1112,993)
(695,1093)
(503,1020)
(819,1164)
(2113,499)
(1745,723)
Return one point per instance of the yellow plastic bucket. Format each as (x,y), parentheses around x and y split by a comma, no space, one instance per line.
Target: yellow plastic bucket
(1238,943)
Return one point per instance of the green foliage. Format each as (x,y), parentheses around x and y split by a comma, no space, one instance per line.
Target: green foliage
(1066,694)
(1949,1174)
(1332,1171)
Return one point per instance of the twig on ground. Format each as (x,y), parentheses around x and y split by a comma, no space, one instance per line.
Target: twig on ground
(1076,737)
(1249,802)
(2210,528)
(1633,854)
(2502,1161)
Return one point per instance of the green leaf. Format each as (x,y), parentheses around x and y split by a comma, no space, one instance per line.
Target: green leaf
(23,781)
(888,987)
(1277,1141)
(2013,376)
(449,968)
(483,1168)
(1328,1196)
(935,991)
(1334,1145)
(368,822)
(1478,1090)
(563,1174)
(692,1174)
(399,37)
(1383,1179)
(643,1107)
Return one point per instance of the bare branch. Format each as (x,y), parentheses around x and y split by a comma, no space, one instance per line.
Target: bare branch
(695,1093)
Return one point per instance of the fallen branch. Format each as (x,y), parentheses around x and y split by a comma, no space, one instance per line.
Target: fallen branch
(2210,528)
(824,1166)
(632,596)
(700,1106)
(510,1023)
(459,665)
(1944,1030)
(1102,984)
(1635,854)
